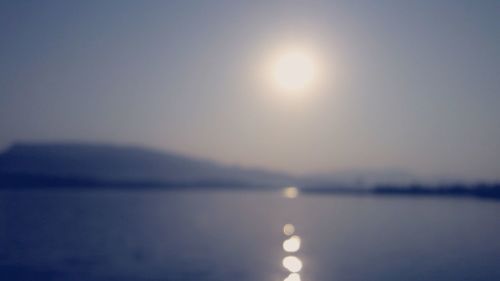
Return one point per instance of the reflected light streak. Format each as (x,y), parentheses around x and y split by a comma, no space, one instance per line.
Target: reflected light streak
(293,277)
(292,244)
(291,192)
(292,263)
(288,229)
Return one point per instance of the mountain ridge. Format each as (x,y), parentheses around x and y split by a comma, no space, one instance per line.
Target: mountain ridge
(92,165)
(125,163)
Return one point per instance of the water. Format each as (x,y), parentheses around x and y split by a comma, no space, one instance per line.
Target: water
(224,235)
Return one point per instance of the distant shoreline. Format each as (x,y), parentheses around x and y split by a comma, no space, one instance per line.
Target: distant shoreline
(28,181)
(485,191)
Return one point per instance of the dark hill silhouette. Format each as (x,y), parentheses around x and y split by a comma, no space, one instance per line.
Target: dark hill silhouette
(100,163)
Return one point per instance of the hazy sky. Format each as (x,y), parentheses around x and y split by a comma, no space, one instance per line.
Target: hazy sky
(412,85)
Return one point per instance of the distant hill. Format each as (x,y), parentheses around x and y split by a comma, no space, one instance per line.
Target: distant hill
(103,165)
(70,163)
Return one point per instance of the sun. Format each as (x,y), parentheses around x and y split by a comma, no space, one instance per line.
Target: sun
(294,71)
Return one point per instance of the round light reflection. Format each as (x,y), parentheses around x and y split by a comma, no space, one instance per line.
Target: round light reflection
(292,263)
(288,229)
(293,277)
(292,244)
(291,192)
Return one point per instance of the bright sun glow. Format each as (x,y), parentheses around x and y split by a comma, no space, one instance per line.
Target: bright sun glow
(294,71)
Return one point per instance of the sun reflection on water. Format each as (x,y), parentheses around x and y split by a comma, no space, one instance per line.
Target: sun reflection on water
(292,244)
(288,229)
(292,263)
(293,277)
(291,192)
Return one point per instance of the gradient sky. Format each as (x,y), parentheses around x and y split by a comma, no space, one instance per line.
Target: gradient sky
(411,85)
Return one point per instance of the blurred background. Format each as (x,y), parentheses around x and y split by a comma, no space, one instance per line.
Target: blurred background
(249,140)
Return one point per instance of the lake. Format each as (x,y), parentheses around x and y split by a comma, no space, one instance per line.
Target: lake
(201,234)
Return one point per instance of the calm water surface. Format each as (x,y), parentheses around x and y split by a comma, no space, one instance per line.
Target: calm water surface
(223,235)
